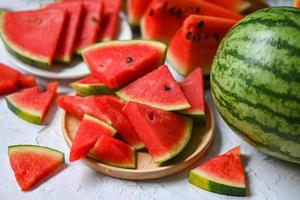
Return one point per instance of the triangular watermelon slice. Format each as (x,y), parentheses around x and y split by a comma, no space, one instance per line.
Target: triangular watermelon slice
(31,163)
(165,134)
(32,104)
(78,106)
(66,42)
(117,63)
(158,89)
(114,152)
(223,174)
(32,35)
(90,129)
(90,86)
(193,89)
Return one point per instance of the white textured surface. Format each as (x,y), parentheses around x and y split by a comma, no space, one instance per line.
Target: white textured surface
(268,178)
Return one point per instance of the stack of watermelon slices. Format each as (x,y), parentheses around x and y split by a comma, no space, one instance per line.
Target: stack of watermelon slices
(68,26)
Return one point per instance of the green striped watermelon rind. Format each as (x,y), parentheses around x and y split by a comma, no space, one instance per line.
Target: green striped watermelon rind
(84,89)
(22,54)
(197,115)
(208,183)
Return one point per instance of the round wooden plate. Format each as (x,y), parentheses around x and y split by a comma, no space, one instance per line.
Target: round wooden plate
(146,168)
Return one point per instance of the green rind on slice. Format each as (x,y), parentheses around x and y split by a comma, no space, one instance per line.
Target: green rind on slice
(213,186)
(198,116)
(99,121)
(84,89)
(26,115)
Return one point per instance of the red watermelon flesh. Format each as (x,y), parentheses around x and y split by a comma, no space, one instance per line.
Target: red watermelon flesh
(27,81)
(43,29)
(193,89)
(196,42)
(164,17)
(32,104)
(90,25)
(78,106)
(158,89)
(297,3)
(90,129)
(117,63)
(31,164)
(136,9)
(114,152)
(234,5)
(66,42)
(113,108)
(90,80)
(165,134)
(8,79)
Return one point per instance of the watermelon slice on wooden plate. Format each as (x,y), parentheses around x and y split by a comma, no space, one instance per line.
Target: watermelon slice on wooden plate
(32,104)
(136,9)
(223,174)
(43,29)
(31,164)
(90,129)
(114,152)
(158,89)
(196,42)
(66,42)
(117,63)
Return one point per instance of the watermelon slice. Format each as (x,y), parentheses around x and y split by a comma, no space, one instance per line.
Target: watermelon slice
(136,9)
(113,109)
(42,28)
(164,17)
(117,63)
(158,89)
(90,129)
(297,3)
(196,43)
(66,42)
(114,152)
(90,25)
(26,81)
(78,106)
(90,86)
(234,5)
(223,174)
(193,89)
(31,163)
(32,104)
(165,134)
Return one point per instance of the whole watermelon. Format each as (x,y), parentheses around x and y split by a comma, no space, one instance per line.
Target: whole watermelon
(255,81)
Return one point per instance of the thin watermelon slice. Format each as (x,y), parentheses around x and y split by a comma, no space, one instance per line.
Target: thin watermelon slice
(31,164)
(223,174)
(117,63)
(90,129)
(78,106)
(297,3)
(66,42)
(164,17)
(165,134)
(113,109)
(136,9)
(90,25)
(234,5)
(196,43)
(43,29)
(114,152)
(9,79)
(158,89)
(90,86)
(32,104)
(193,89)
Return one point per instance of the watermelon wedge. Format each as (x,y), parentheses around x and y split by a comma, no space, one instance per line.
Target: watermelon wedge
(136,9)
(90,86)
(78,106)
(43,29)
(66,42)
(196,43)
(297,3)
(165,134)
(90,129)
(223,174)
(234,5)
(117,63)
(113,109)
(158,89)
(114,152)
(164,17)
(31,164)
(90,25)
(32,104)
(193,90)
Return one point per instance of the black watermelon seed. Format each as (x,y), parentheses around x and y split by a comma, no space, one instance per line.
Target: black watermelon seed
(189,35)
(167,88)
(129,60)
(94,19)
(201,24)
(151,12)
